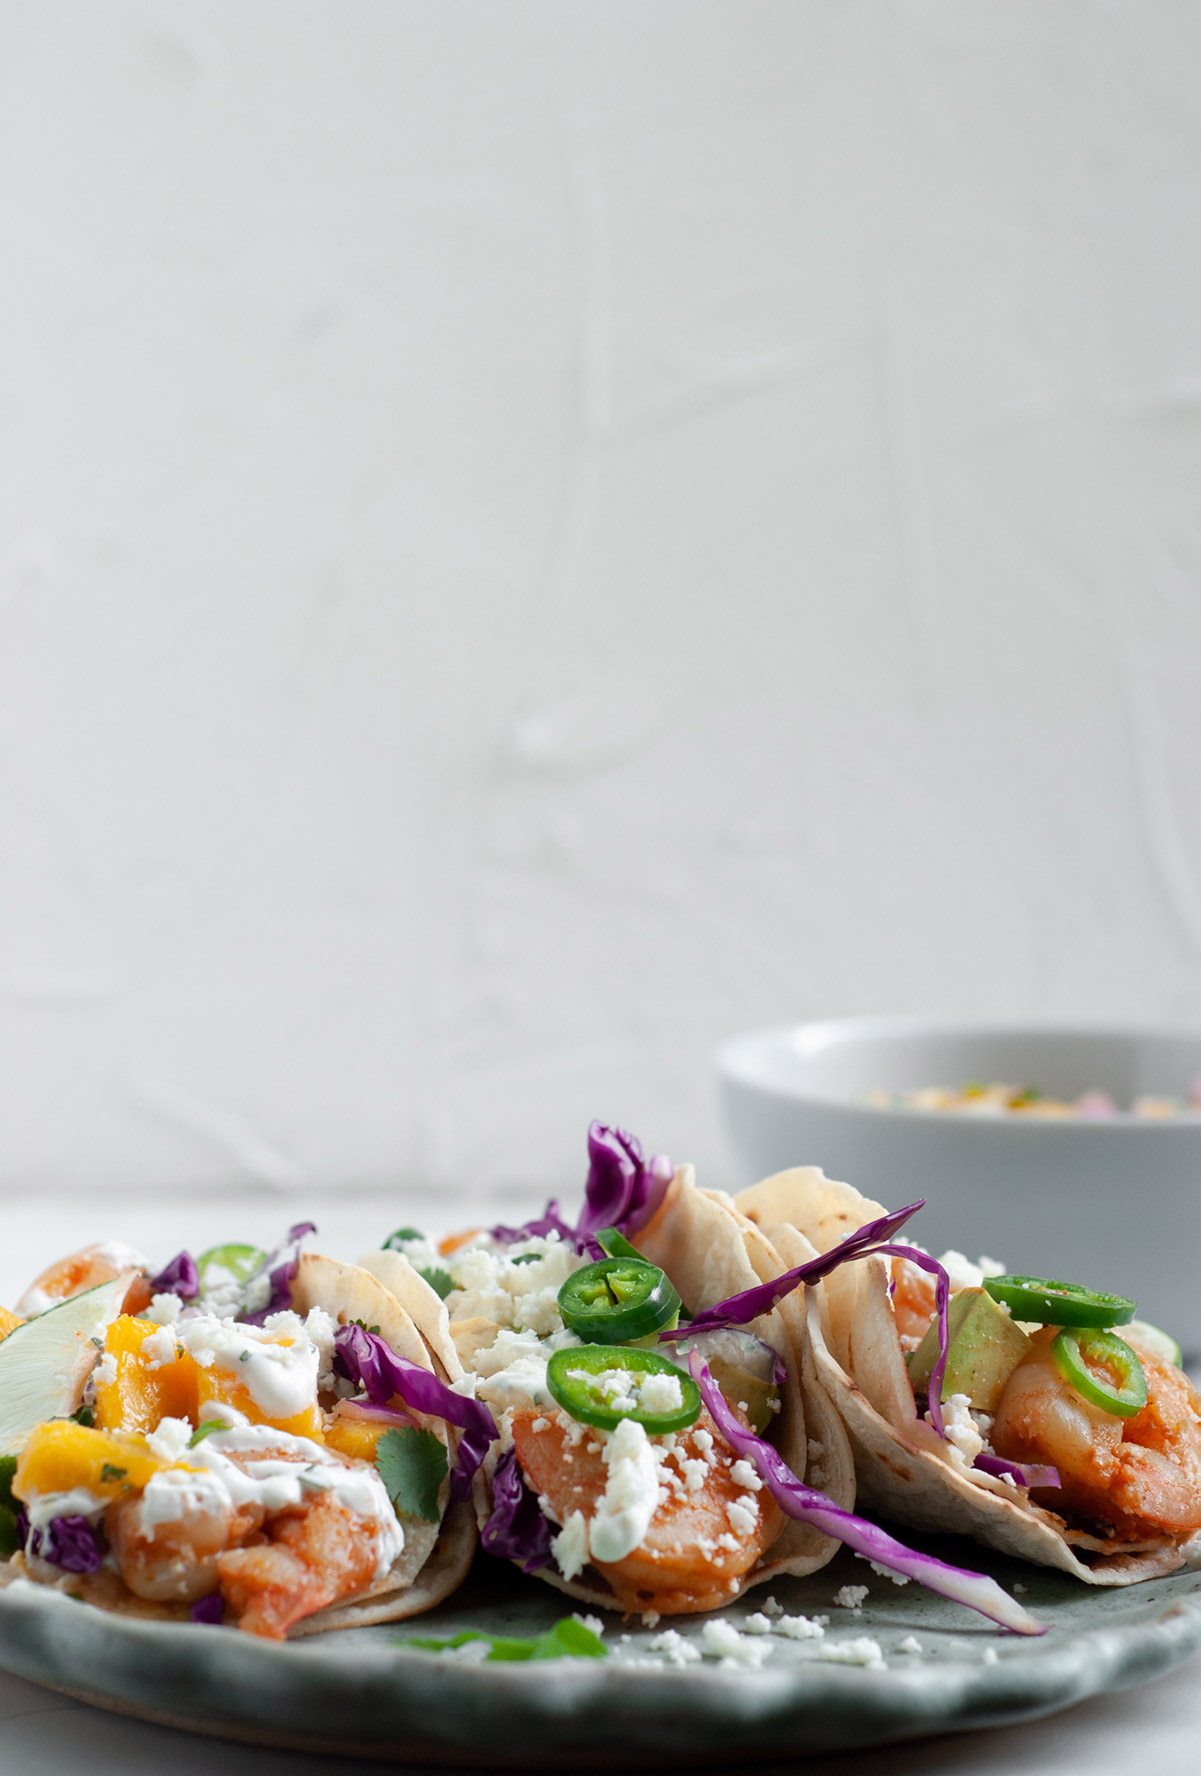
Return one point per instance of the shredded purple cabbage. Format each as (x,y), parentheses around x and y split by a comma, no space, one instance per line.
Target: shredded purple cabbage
(366,1359)
(1025,1473)
(68,1543)
(516,1530)
(280,1266)
(623,1190)
(208,1609)
(807,1506)
(741,1309)
(550,1221)
(180,1277)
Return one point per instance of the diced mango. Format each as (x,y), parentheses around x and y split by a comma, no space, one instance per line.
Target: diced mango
(8,1322)
(61,1455)
(355,1437)
(220,1384)
(140,1397)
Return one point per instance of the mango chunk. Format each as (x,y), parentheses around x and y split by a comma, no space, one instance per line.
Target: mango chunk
(355,1437)
(140,1397)
(219,1384)
(61,1455)
(8,1322)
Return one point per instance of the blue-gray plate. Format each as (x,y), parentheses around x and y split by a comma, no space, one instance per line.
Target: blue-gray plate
(365,1692)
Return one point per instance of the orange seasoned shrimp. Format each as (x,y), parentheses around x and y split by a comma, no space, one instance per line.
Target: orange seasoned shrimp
(913,1302)
(318,1551)
(1142,1475)
(175,1560)
(86,1269)
(691,1557)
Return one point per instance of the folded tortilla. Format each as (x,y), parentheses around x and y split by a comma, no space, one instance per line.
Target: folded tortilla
(709,1251)
(903,1468)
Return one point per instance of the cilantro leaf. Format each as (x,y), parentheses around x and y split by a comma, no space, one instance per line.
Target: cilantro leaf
(396,1242)
(108,1472)
(412,1465)
(10,1541)
(206,1430)
(439,1280)
(568,1639)
(8,1469)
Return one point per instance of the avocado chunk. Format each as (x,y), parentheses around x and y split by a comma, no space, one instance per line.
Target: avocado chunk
(986,1347)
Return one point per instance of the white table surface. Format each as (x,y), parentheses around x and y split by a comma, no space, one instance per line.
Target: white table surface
(1156,1729)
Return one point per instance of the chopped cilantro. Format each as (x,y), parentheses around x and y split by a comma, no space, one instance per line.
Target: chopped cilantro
(8,1468)
(98,1342)
(440,1281)
(85,1416)
(108,1472)
(205,1430)
(412,1465)
(364,1325)
(527,1258)
(245,1357)
(568,1639)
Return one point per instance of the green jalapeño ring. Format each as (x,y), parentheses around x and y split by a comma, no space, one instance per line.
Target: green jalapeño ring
(1052,1303)
(585,1385)
(617,1300)
(1076,1353)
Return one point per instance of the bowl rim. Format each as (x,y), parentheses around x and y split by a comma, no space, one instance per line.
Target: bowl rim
(732,1054)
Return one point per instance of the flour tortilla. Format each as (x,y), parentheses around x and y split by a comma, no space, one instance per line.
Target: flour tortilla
(709,1251)
(436,1556)
(904,1470)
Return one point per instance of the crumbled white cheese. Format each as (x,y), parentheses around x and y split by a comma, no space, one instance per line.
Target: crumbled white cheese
(694,1471)
(660,1393)
(164,1309)
(569,1549)
(963,1274)
(756,1624)
(650,1618)
(744,1514)
(540,1424)
(105,1372)
(798,1627)
(772,1608)
(1020,1590)
(631,1494)
(910,1644)
(723,1641)
(989,1656)
(963,1439)
(592,1623)
(170,1439)
(675,1648)
(492,1284)
(322,1330)
(511,1371)
(744,1474)
(160,1348)
(885,1572)
(850,1597)
(850,1652)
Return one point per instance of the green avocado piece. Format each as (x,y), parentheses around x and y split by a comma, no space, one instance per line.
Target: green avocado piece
(986,1347)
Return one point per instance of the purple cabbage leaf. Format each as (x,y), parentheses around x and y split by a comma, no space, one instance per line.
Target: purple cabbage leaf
(180,1277)
(801,1502)
(208,1609)
(516,1529)
(279,1267)
(623,1190)
(1026,1474)
(66,1542)
(367,1360)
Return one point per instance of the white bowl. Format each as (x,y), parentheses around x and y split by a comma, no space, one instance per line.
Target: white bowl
(1112,1203)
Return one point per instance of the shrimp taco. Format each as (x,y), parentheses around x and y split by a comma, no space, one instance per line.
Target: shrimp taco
(1005,1408)
(197,1444)
(645,1460)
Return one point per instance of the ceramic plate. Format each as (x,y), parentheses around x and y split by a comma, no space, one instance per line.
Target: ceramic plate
(365,1692)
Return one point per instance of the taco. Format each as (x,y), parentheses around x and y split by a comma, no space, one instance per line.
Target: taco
(645,1461)
(1006,1409)
(197,1444)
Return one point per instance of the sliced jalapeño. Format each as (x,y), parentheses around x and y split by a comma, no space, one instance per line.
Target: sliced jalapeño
(600,1384)
(616,1300)
(1103,1370)
(1059,1304)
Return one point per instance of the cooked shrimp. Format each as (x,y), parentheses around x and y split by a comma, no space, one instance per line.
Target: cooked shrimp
(86,1269)
(1142,1475)
(316,1553)
(174,1560)
(913,1302)
(692,1555)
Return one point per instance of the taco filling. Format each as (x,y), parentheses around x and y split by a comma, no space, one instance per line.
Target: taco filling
(185,1445)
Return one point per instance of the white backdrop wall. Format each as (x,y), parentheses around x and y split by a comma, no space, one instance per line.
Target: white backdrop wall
(535,535)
